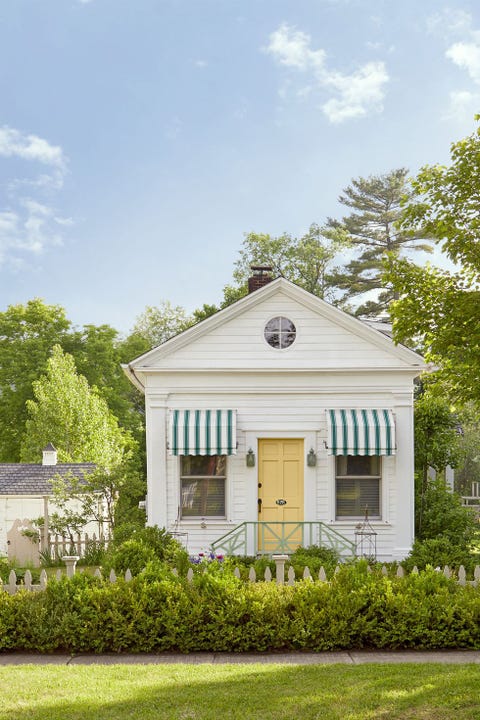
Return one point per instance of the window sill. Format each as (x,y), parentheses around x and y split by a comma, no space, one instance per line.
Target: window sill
(359,521)
(209,520)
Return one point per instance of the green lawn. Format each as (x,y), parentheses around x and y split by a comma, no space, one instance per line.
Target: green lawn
(194,692)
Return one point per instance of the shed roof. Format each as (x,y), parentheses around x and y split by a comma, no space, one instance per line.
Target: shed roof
(34,479)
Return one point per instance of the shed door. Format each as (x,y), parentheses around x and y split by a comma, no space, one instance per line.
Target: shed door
(280,488)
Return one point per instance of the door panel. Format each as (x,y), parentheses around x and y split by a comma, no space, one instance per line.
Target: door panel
(280,477)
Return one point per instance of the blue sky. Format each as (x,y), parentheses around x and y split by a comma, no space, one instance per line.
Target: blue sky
(140,140)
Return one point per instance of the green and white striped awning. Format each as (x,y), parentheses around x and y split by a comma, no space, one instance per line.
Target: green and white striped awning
(203,432)
(361,432)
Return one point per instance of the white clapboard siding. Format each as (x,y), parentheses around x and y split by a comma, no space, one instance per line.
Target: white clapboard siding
(270,414)
(240,343)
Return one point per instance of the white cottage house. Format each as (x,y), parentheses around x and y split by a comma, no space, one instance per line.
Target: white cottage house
(279,421)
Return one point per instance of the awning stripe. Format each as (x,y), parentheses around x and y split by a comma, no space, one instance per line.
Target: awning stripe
(202,432)
(361,432)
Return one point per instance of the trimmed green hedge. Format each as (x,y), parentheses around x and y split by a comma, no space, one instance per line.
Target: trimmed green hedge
(216,612)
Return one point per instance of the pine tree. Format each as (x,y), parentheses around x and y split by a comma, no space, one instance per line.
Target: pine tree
(372,229)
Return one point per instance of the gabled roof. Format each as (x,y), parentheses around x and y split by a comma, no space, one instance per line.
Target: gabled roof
(34,479)
(376,337)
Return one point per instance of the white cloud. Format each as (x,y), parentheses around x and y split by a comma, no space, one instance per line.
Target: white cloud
(33,207)
(27,229)
(457,30)
(450,22)
(355,95)
(30,226)
(463,105)
(65,222)
(360,93)
(466,55)
(13,143)
(292,48)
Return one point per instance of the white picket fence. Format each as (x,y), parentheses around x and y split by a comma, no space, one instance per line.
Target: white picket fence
(60,545)
(12,586)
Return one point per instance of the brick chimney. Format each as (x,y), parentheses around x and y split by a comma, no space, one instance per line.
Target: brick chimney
(261,275)
(49,455)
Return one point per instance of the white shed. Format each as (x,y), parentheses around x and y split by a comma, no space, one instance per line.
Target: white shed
(277,422)
(25,496)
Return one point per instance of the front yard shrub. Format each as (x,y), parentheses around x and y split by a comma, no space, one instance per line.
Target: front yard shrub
(314,557)
(439,552)
(133,547)
(4,568)
(94,554)
(158,611)
(131,555)
(244,562)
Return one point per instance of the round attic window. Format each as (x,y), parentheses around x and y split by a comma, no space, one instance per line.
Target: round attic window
(280,332)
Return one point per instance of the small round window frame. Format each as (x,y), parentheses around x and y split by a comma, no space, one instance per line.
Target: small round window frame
(280,333)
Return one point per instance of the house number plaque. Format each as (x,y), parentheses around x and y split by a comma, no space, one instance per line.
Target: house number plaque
(281,502)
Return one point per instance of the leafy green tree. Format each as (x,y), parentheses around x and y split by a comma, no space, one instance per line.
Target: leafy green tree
(27,334)
(372,230)
(159,323)
(71,415)
(446,532)
(307,261)
(436,446)
(468,469)
(445,516)
(440,308)
(99,352)
(204,312)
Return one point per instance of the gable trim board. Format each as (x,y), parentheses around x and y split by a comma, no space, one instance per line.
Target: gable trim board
(405,357)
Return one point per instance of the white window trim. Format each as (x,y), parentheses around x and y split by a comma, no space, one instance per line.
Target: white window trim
(387,473)
(195,519)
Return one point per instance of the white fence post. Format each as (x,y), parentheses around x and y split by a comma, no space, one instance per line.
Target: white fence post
(70,563)
(280,561)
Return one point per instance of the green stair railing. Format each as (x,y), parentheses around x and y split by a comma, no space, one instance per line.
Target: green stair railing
(263,538)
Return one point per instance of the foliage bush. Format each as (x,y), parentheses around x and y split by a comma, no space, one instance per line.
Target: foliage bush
(133,547)
(131,555)
(157,611)
(449,531)
(94,554)
(314,557)
(445,516)
(439,552)
(4,568)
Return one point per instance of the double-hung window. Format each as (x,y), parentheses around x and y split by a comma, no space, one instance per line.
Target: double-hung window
(359,439)
(203,479)
(358,481)
(202,439)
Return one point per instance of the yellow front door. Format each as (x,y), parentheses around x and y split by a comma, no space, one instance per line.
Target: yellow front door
(280,492)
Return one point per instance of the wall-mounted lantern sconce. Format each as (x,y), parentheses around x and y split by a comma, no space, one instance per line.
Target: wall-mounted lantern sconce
(250,458)
(311,458)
